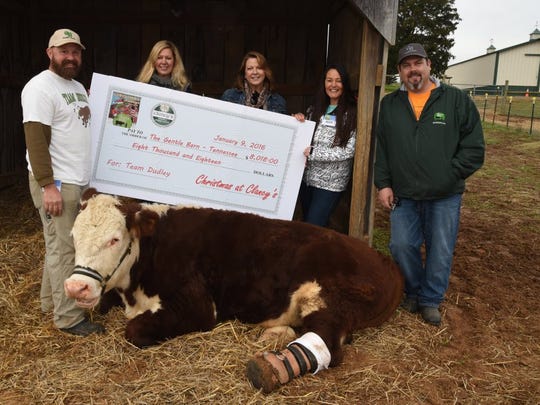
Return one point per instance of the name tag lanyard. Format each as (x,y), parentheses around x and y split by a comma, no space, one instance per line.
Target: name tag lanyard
(328,120)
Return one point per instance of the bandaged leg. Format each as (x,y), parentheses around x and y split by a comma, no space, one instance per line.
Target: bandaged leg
(315,346)
(270,370)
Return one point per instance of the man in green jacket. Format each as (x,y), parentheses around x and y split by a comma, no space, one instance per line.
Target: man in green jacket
(429,140)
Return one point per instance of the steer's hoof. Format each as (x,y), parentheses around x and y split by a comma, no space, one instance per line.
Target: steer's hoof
(262,371)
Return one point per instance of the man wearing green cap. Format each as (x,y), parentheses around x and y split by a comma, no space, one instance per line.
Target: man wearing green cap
(56,118)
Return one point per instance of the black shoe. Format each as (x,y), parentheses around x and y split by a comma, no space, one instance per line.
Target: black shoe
(84,328)
(410,304)
(431,315)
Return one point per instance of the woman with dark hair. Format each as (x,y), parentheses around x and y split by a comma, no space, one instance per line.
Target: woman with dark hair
(330,156)
(254,85)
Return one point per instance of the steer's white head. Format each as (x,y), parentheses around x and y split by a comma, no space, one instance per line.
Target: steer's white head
(105,248)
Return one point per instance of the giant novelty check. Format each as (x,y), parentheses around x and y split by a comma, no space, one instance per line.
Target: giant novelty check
(167,146)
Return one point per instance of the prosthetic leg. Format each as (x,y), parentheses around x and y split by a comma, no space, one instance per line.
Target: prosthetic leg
(269,370)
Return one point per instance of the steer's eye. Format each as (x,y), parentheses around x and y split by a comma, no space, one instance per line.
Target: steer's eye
(113,241)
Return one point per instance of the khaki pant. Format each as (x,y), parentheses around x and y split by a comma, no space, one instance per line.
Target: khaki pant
(59,254)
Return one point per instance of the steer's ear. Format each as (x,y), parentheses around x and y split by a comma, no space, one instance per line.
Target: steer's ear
(142,222)
(86,195)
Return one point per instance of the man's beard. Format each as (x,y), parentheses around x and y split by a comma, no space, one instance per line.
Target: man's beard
(65,71)
(415,86)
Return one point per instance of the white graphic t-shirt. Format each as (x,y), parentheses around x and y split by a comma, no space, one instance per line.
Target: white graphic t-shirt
(63,105)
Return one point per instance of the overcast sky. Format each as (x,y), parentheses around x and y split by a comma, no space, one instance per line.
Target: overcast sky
(506,22)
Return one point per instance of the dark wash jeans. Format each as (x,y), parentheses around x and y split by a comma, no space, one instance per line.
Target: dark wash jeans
(434,223)
(317,204)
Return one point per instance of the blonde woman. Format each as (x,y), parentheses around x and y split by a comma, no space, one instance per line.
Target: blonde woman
(164,68)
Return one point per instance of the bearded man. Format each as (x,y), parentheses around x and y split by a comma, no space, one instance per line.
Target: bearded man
(429,140)
(56,119)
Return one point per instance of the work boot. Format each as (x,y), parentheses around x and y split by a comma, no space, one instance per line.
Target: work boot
(431,315)
(410,304)
(84,328)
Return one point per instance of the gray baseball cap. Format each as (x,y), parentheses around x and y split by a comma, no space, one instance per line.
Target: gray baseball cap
(413,49)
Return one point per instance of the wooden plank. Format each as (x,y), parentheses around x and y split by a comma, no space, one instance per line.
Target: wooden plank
(174,33)
(360,216)
(149,6)
(194,53)
(128,40)
(316,54)
(295,104)
(12,144)
(105,50)
(276,51)
(9,179)
(150,34)
(233,53)
(346,42)
(214,49)
(37,35)
(9,6)
(16,54)
(296,58)
(256,38)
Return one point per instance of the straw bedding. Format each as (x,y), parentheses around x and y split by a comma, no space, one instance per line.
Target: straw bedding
(486,351)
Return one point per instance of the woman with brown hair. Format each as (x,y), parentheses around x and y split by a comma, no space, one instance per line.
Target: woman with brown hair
(254,85)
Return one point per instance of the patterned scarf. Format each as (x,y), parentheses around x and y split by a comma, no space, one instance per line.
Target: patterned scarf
(254,99)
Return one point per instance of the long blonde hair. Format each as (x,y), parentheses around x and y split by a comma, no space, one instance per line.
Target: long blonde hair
(178,75)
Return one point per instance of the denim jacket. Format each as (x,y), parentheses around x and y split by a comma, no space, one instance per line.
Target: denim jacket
(275,102)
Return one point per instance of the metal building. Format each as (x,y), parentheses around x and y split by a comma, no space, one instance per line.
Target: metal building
(517,66)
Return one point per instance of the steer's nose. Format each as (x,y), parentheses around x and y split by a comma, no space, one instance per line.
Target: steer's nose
(75,288)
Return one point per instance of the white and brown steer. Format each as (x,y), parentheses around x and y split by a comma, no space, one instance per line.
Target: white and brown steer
(183,269)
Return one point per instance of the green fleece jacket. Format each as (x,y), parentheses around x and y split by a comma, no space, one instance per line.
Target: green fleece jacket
(429,158)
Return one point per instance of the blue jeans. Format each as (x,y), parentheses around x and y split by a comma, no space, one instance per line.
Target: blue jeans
(317,204)
(435,224)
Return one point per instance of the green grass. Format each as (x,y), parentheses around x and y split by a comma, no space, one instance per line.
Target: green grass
(388,88)
(381,237)
(488,127)
(520,106)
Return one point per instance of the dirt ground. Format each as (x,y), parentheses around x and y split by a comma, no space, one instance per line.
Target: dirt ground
(491,313)
(487,350)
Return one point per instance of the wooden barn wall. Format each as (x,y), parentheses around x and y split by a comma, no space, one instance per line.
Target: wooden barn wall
(345,43)
(11,82)
(212,35)
(355,43)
